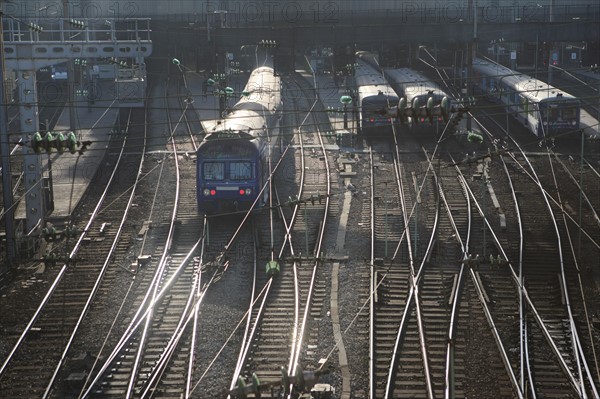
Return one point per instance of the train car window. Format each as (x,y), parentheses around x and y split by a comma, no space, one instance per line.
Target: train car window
(214,171)
(240,171)
(569,113)
(523,103)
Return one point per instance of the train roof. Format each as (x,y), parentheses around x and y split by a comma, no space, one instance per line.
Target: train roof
(365,74)
(228,144)
(243,120)
(254,111)
(264,91)
(533,89)
(371,82)
(412,83)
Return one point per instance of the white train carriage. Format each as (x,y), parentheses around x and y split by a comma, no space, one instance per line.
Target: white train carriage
(375,96)
(543,109)
(421,99)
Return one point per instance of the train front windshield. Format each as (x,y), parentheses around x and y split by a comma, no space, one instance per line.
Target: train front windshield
(372,107)
(236,170)
(562,115)
(240,170)
(214,171)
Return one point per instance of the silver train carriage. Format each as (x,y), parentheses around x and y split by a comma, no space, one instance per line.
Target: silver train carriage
(232,160)
(421,99)
(375,95)
(543,109)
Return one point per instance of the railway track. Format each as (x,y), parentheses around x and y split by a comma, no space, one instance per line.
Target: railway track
(43,346)
(544,313)
(443,325)
(549,269)
(139,359)
(294,299)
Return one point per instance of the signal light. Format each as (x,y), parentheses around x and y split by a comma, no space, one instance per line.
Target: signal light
(268,43)
(35,27)
(37,143)
(61,142)
(77,23)
(213,192)
(242,192)
(48,142)
(72,142)
(115,61)
(58,141)
(473,137)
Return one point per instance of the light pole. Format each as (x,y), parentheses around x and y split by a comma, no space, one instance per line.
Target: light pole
(5,162)
(218,81)
(345,100)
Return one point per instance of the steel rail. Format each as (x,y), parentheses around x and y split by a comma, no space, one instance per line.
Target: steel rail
(63,269)
(189,313)
(248,332)
(287,239)
(550,197)
(519,278)
(413,294)
(292,367)
(573,379)
(413,279)
(190,369)
(577,349)
(449,370)
(574,180)
(486,310)
(429,169)
(143,313)
(162,264)
(528,299)
(523,352)
(372,286)
(103,269)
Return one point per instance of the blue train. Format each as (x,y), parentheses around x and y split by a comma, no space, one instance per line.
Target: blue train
(232,160)
(543,109)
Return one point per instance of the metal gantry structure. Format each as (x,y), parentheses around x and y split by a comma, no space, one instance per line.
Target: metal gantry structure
(29,46)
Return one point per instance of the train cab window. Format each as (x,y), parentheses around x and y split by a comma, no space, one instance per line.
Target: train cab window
(214,171)
(569,113)
(240,171)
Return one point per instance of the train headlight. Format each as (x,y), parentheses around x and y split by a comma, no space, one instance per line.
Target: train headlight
(248,191)
(206,192)
(573,122)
